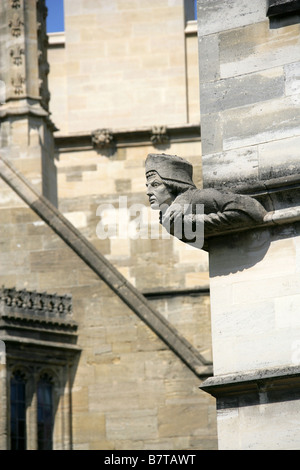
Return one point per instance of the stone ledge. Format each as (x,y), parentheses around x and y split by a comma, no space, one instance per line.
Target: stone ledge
(163,293)
(191,28)
(259,188)
(28,106)
(279,196)
(127,137)
(273,218)
(34,343)
(56,39)
(264,380)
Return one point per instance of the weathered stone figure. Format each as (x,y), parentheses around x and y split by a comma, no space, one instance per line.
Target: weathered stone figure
(183,207)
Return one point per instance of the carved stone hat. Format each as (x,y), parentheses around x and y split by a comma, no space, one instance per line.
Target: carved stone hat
(170,167)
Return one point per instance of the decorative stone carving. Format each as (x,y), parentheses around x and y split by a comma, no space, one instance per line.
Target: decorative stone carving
(16,55)
(15,4)
(102,138)
(159,135)
(18,82)
(16,25)
(172,192)
(36,302)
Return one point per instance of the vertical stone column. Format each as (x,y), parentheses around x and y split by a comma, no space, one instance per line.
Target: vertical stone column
(26,132)
(31,410)
(249,94)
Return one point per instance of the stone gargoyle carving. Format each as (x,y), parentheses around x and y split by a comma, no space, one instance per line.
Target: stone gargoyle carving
(193,214)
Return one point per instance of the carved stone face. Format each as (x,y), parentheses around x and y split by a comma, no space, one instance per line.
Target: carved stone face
(157,192)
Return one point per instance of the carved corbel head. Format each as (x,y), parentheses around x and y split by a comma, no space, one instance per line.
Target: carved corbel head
(170,167)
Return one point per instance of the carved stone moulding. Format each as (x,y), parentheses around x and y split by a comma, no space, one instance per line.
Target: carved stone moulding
(102,138)
(36,303)
(16,25)
(159,135)
(16,54)
(34,320)
(15,4)
(18,84)
(130,137)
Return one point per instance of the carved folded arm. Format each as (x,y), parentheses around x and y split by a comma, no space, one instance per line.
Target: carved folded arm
(220,214)
(229,219)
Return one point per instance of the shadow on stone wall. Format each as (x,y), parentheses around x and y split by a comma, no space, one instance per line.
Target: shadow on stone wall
(239,251)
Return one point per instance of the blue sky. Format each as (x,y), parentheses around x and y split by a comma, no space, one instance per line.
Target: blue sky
(55,19)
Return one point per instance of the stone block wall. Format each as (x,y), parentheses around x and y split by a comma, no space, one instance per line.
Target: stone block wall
(145,53)
(123,65)
(130,390)
(89,180)
(255,300)
(249,92)
(92,188)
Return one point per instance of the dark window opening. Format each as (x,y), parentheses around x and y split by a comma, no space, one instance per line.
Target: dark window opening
(18,412)
(45,413)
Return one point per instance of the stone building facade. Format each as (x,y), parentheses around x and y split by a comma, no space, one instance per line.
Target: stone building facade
(249,54)
(107,339)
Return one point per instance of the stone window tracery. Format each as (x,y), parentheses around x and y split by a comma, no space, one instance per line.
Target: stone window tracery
(40,354)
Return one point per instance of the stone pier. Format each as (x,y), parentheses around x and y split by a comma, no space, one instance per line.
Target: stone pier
(26,136)
(250,120)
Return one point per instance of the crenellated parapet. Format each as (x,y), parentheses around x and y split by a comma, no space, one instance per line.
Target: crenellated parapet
(36,308)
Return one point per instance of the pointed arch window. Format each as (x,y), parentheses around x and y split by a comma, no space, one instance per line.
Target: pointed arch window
(45,413)
(18,411)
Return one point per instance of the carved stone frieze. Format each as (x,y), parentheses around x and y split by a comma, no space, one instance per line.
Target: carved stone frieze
(29,319)
(18,84)
(16,54)
(159,135)
(102,138)
(16,25)
(36,302)
(15,4)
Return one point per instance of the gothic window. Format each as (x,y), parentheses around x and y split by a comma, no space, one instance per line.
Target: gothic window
(32,404)
(18,412)
(45,412)
(39,332)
